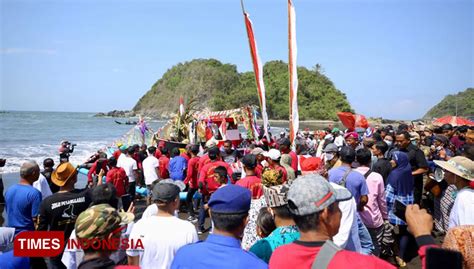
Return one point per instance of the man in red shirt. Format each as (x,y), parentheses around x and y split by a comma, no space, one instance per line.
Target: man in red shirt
(273,159)
(314,205)
(192,181)
(258,152)
(285,148)
(163,164)
(100,164)
(118,178)
(187,153)
(251,181)
(208,183)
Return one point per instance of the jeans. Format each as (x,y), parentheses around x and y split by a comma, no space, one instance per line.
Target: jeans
(203,213)
(366,244)
(189,202)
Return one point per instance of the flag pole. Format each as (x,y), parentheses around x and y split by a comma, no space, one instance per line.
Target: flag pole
(258,70)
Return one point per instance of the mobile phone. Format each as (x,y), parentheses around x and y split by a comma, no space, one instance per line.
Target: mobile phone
(443,258)
(400,209)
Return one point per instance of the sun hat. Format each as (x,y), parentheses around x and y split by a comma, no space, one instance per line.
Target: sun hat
(63,173)
(459,165)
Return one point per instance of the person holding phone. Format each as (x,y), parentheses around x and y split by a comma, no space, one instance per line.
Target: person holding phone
(400,187)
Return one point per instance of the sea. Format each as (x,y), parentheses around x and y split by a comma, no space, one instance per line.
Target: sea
(26,135)
(37,135)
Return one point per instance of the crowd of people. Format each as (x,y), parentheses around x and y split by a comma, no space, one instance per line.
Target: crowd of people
(333,199)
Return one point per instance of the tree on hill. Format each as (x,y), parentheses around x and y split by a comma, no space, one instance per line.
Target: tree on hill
(464,101)
(219,86)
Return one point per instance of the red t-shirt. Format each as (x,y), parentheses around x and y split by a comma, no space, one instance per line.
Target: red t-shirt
(163,167)
(253,184)
(294,160)
(158,153)
(117,154)
(206,175)
(258,170)
(192,173)
(186,156)
(301,255)
(118,178)
(203,161)
(92,170)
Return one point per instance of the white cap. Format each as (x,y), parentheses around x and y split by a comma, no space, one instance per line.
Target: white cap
(273,154)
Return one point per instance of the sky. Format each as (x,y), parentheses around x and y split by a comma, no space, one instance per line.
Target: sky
(392,58)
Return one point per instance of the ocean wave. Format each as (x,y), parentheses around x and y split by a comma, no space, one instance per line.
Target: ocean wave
(17,155)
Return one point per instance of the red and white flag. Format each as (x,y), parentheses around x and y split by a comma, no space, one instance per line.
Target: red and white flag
(292,53)
(181,106)
(258,70)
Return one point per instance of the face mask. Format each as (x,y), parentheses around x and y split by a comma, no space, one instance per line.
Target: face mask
(389,143)
(438,148)
(329,156)
(413,142)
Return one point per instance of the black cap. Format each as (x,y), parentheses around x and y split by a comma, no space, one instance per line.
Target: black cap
(249,161)
(213,152)
(165,192)
(446,126)
(285,142)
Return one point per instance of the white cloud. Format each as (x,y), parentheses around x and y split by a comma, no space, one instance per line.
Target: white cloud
(27,51)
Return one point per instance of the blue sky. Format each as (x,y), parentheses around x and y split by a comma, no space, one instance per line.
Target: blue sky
(394,59)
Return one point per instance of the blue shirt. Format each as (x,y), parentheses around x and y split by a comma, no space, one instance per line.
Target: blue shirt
(9,261)
(217,251)
(22,203)
(177,166)
(355,181)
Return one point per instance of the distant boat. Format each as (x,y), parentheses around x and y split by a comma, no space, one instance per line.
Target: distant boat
(127,122)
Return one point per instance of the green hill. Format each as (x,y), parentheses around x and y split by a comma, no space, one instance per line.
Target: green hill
(219,86)
(447,106)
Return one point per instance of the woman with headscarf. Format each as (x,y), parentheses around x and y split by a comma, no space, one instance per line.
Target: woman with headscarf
(285,161)
(270,177)
(399,187)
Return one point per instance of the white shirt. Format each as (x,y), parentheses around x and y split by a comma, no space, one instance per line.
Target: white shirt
(339,141)
(128,164)
(462,212)
(348,234)
(149,169)
(161,238)
(152,210)
(42,185)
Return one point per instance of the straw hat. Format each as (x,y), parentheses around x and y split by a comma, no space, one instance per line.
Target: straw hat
(460,166)
(63,173)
